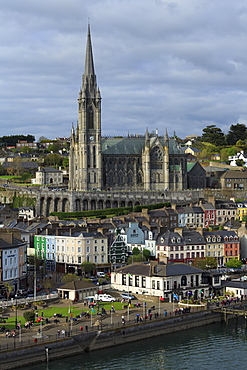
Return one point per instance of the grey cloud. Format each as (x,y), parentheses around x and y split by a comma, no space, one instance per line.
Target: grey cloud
(175,64)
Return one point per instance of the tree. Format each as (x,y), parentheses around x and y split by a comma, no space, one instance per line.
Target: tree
(65,162)
(214,135)
(236,132)
(88,267)
(29,316)
(54,147)
(9,289)
(53,160)
(208,150)
(240,162)
(136,251)
(234,263)
(42,138)
(47,284)
(69,277)
(135,258)
(205,263)
(146,254)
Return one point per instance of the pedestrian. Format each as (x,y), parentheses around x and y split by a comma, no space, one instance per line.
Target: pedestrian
(63,333)
(58,333)
(86,327)
(67,319)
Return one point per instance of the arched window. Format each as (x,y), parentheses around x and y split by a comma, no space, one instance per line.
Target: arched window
(156,154)
(90,117)
(139,178)
(183,281)
(130,178)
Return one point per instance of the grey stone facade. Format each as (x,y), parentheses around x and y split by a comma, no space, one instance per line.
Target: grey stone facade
(147,162)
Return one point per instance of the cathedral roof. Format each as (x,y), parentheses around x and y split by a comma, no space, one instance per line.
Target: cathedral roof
(122,145)
(134,145)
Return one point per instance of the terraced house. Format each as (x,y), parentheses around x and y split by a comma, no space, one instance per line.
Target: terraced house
(223,245)
(65,253)
(181,245)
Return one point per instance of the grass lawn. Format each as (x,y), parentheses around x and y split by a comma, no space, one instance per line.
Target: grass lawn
(73,310)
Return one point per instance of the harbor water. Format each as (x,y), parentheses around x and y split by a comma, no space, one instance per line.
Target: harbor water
(218,346)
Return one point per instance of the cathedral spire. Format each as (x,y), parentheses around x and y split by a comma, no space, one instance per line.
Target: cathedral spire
(89,65)
(89,84)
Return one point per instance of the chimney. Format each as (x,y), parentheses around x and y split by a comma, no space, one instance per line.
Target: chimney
(179,231)
(8,237)
(199,230)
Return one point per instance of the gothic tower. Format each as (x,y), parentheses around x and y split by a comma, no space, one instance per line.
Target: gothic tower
(85,147)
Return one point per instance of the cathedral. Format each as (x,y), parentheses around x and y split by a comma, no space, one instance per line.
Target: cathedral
(141,162)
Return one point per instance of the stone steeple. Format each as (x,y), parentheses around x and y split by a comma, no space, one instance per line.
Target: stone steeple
(86,164)
(89,82)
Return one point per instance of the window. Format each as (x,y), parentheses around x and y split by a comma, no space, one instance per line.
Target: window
(143,282)
(88,249)
(137,281)
(158,285)
(95,248)
(79,249)
(124,279)
(153,284)
(102,248)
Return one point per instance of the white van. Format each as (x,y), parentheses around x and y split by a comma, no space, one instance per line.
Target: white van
(104,298)
(100,274)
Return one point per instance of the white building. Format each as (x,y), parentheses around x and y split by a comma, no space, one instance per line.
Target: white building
(236,157)
(160,280)
(48,176)
(13,254)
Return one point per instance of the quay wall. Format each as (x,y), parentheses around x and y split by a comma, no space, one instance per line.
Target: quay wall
(93,341)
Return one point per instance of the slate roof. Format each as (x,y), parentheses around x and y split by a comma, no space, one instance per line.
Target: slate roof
(188,237)
(175,269)
(77,285)
(234,284)
(49,170)
(222,234)
(134,145)
(231,174)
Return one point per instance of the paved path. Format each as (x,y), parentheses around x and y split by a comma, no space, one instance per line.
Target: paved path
(96,322)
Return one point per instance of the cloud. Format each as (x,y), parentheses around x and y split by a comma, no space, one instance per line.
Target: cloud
(176,64)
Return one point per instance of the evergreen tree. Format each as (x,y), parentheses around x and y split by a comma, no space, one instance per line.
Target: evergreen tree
(214,135)
(236,132)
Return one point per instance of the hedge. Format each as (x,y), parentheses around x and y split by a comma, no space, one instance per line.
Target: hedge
(108,212)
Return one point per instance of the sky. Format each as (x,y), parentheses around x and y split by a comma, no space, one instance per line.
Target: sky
(178,65)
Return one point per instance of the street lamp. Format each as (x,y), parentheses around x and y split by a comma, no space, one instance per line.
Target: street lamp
(16,311)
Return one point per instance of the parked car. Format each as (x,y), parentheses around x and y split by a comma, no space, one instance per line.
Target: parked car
(100,274)
(54,294)
(104,298)
(127,296)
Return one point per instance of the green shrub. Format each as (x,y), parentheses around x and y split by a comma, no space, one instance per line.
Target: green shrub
(29,316)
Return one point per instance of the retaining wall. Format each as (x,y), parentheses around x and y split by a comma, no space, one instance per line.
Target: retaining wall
(97,340)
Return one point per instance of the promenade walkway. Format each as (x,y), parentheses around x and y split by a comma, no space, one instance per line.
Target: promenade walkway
(55,330)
